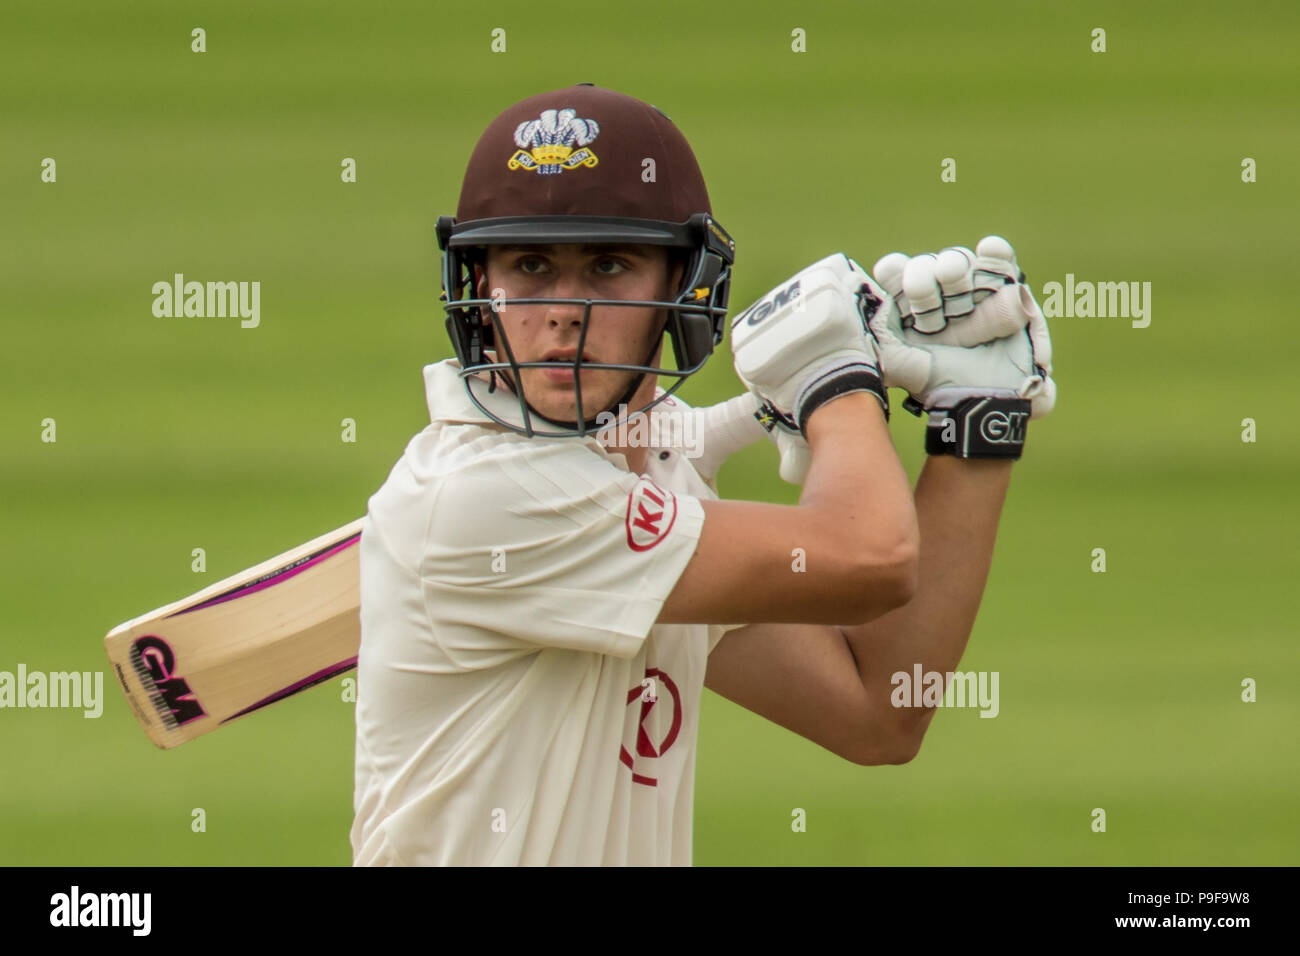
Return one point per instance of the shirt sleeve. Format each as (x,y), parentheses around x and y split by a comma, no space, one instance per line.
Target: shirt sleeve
(718,631)
(556,547)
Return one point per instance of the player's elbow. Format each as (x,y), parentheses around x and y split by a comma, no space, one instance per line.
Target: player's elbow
(894,750)
(861,573)
(905,750)
(888,734)
(885,578)
(904,571)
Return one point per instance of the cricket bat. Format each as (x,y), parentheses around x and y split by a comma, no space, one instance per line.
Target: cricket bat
(244,643)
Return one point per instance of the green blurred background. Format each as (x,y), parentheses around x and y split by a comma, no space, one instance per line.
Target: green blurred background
(1118,690)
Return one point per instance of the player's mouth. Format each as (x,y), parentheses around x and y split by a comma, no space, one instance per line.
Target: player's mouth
(563,355)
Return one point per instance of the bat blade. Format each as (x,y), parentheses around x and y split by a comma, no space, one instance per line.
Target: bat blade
(244,643)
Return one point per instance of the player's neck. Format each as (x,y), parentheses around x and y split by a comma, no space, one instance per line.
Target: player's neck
(636,458)
(628,440)
(616,441)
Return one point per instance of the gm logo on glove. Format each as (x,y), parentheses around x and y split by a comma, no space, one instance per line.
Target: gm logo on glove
(765,308)
(1001,428)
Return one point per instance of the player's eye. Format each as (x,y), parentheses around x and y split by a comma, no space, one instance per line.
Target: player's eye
(531,265)
(610,266)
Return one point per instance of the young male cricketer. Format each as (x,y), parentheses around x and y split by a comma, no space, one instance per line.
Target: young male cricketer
(541,605)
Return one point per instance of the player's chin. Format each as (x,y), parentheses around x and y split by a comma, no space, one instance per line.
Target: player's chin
(551,392)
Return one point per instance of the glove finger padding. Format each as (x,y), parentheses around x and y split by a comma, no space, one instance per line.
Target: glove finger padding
(952,270)
(921,286)
(888,271)
(959,297)
(995,266)
(1001,314)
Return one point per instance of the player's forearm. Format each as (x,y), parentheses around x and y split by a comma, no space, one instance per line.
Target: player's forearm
(958,505)
(874,521)
(846,552)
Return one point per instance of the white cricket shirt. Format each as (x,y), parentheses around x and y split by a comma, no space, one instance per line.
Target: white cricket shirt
(509,591)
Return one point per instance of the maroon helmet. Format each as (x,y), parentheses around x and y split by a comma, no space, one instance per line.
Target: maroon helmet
(567,167)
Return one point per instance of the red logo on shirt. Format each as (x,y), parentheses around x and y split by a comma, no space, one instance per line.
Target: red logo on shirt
(651,512)
(645,747)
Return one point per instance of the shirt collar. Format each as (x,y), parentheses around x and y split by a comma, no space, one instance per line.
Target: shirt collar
(448,401)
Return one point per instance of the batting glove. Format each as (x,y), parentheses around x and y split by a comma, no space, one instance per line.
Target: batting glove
(805,343)
(979,395)
(958,297)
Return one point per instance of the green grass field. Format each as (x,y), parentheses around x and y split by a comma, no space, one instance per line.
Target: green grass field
(1118,690)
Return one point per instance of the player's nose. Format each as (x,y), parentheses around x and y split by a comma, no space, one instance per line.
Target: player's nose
(567,285)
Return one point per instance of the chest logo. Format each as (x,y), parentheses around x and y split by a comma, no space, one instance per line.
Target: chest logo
(645,745)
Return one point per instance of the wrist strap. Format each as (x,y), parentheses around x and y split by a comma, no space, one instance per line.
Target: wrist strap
(836,381)
(979,428)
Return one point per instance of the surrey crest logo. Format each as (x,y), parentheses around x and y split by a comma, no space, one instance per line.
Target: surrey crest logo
(555,142)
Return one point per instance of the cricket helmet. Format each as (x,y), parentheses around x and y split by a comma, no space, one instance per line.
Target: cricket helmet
(570,166)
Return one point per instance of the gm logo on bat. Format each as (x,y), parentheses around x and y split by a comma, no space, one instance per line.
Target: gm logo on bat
(1001,428)
(155,663)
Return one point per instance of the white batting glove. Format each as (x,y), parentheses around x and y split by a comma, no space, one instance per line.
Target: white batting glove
(958,297)
(979,396)
(805,343)
(796,456)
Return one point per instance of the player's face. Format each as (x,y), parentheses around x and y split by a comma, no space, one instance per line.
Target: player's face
(623,335)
